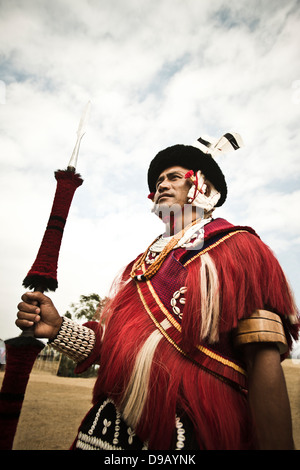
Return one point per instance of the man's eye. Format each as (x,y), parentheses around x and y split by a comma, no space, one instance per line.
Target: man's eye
(177,177)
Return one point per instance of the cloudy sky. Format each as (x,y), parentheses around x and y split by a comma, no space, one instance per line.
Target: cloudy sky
(157,72)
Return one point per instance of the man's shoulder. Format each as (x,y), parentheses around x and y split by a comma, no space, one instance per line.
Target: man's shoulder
(219,231)
(219,227)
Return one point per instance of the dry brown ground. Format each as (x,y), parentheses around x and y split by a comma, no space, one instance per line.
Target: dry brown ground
(54,407)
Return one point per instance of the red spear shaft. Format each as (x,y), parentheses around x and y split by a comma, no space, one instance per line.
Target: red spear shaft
(21,352)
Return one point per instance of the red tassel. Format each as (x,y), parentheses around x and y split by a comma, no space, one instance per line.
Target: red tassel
(181,385)
(191,320)
(220,415)
(126,329)
(250,278)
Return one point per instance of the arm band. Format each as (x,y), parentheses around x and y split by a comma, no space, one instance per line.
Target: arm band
(74,340)
(261,327)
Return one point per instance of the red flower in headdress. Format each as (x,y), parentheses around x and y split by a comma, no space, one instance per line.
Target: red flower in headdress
(151,196)
(189,174)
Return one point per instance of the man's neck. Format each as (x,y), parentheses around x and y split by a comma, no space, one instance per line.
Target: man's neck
(179,221)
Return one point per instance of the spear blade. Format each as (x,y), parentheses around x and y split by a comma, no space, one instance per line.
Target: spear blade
(80,133)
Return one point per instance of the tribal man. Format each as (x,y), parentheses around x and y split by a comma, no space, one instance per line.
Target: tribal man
(191,342)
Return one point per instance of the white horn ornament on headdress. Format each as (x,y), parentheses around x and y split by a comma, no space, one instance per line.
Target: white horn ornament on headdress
(196,195)
(225,144)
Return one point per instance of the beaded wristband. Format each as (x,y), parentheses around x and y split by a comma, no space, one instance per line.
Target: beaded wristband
(74,340)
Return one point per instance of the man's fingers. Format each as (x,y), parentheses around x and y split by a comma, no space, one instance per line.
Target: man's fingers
(34,297)
(29,308)
(25,320)
(23,315)
(23,324)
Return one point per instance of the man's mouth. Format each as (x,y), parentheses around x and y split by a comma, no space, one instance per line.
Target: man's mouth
(162,196)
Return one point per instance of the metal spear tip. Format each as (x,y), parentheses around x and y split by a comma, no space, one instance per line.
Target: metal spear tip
(80,133)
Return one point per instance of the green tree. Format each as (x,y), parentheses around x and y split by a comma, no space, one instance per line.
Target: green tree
(88,307)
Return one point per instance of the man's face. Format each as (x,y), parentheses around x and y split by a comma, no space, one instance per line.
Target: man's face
(172,187)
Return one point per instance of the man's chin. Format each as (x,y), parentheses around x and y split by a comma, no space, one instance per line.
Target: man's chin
(165,209)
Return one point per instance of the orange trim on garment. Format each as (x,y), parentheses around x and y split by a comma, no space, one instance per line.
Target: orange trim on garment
(157,324)
(223,239)
(172,320)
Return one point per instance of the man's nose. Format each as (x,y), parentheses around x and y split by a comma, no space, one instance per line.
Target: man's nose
(163,185)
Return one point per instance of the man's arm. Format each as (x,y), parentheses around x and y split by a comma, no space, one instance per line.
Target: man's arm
(268,397)
(75,340)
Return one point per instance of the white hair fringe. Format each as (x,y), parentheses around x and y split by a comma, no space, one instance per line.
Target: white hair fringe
(210,300)
(137,389)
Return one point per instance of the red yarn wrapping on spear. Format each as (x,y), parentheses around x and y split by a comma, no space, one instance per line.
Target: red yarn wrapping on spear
(22,351)
(43,273)
(19,359)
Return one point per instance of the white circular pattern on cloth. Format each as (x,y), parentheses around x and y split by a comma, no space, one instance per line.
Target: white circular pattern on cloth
(178,300)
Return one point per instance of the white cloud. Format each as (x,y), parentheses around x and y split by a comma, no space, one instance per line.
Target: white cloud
(157,73)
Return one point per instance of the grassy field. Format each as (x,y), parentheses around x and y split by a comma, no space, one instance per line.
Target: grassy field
(54,407)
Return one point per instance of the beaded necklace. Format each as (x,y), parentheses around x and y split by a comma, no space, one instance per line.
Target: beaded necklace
(154,267)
